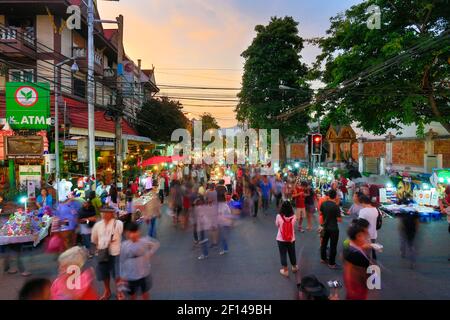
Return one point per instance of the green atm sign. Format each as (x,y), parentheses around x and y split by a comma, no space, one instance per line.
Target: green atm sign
(28,105)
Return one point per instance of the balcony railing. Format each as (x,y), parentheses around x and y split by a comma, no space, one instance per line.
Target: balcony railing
(15,34)
(8,34)
(81,53)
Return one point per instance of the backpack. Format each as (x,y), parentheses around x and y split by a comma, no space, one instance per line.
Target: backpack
(287,232)
(379,220)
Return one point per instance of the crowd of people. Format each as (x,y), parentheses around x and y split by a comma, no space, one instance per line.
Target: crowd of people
(210,207)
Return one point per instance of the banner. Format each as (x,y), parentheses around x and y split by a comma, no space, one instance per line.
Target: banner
(28,105)
(24,147)
(30,178)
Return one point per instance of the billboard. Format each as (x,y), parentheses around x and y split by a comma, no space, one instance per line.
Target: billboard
(28,105)
(24,147)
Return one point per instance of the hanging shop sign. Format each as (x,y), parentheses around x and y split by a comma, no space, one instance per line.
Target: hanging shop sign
(24,147)
(30,179)
(82,150)
(28,105)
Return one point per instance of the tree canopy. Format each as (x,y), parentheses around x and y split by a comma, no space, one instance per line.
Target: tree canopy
(272,59)
(208,122)
(401,70)
(159,117)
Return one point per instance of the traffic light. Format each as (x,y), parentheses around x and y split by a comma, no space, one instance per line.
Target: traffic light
(316,144)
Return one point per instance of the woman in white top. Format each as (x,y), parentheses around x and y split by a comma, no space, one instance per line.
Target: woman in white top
(369,213)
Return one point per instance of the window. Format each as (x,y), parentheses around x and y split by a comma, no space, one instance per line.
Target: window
(26,75)
(79,87)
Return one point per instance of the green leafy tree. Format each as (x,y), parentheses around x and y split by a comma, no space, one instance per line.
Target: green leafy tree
(272,59)
(411,87)
(208,122)
(159,117)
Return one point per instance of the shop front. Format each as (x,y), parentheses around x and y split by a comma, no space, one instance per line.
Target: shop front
(24,143)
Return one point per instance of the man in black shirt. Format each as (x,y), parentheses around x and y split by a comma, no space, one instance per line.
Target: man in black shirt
(329,218)
(221,191)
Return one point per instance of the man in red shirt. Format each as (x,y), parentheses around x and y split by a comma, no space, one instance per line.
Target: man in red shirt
(134,188)
(300,209)
(343,187)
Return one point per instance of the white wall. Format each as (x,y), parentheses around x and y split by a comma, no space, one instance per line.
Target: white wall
(66,79)
(44,33)
(66,42)
(99,93)
(45,71)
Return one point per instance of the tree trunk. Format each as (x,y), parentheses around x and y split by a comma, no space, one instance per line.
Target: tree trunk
(427,86)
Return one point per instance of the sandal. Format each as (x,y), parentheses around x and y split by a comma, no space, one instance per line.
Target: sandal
(284,273)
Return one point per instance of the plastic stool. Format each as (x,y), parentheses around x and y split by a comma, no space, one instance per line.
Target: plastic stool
(424,217)
(436,215)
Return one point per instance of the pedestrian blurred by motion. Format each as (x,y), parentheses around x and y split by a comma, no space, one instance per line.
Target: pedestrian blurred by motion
(135,267)
(176,201)
(285,221)
(36,289)
(161,187)
(300,208)
(187,190)
(153,213)
(202,216)
(66,221)
(254,197)
(310,204)
(225,221)
(235,205)
(343,181)
(278,192)
(107,237)
(86,219)
(408,229)
(370,213)
(74,283)
(148,183)
(266,190)
(329,229)
(356,207)
(211,198)
(95,202)
(228,183)
(357,260)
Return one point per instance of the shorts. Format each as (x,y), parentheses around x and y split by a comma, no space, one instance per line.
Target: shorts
(300,213)
(142,285)
(310,209)
(107,270)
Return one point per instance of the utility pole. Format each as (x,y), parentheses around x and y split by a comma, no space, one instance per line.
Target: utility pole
(90,90)
(119,107)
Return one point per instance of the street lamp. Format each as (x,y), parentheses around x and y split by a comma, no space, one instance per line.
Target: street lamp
(57,72)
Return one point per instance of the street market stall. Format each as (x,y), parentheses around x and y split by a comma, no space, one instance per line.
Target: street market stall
(23,227)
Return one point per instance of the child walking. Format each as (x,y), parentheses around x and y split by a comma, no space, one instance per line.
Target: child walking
(135,262)
(285,221)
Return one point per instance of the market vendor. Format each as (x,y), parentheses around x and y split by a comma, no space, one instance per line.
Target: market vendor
(44,199)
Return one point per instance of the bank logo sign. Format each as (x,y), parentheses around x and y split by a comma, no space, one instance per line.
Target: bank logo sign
(28,105)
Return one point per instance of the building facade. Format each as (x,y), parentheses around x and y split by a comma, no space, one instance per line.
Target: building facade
(34,38)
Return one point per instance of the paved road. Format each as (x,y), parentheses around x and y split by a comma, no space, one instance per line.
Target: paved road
(250,270)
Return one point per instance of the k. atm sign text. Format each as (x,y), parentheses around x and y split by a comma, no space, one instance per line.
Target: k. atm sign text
(28,105)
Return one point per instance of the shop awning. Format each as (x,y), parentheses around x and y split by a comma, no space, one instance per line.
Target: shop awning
(79,119)
(131,137)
